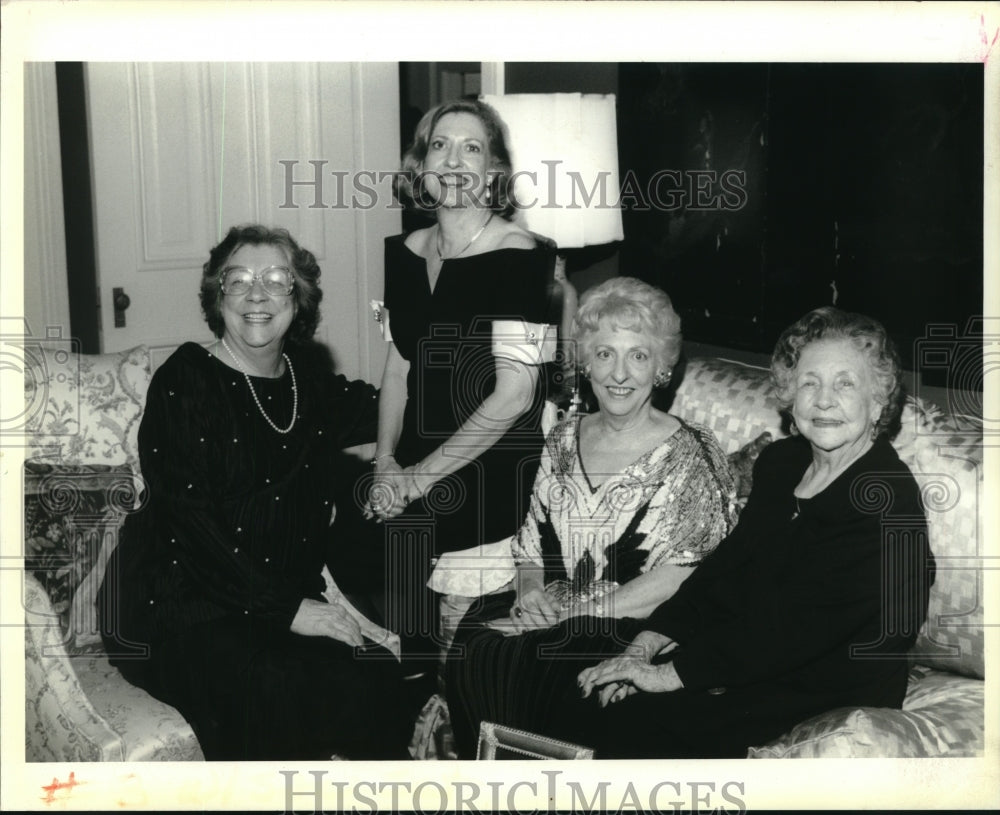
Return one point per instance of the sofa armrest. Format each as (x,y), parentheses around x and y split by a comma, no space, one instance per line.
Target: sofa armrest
(942,716)
(60,722)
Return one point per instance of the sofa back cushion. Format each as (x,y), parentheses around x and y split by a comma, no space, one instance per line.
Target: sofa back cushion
(84,409)
(946,458)
(732,399)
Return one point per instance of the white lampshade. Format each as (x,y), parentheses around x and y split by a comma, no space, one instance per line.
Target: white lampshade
(564,149)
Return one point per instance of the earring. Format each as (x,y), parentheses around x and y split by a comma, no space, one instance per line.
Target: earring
(875,430)
(662,378)
(585,371)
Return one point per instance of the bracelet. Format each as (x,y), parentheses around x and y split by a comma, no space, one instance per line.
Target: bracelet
(375,460)
(599,598)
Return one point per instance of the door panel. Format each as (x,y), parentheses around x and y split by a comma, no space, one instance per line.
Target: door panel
(183,151)
(152,161)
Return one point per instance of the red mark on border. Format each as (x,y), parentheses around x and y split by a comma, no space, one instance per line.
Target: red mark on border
(984,38)
(56,785)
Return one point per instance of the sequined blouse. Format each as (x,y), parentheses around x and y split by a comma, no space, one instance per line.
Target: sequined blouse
(671,505)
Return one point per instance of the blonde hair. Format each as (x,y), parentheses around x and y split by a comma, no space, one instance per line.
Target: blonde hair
(629,303)
(408,183)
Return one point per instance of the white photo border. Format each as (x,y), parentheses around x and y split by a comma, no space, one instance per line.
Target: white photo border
(489,32)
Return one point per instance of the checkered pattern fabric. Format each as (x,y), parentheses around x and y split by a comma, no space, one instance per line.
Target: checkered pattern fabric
(731,399)
(947,462)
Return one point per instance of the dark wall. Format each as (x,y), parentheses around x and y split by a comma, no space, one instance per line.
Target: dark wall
(864,187)
(560,77)
(81,257)
(860,185)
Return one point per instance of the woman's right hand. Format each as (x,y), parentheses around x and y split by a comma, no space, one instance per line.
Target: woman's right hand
(533,608)
(316,618)
(387,497)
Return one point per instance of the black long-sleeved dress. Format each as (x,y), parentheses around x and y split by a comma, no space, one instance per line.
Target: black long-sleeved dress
(810,604)
(447,337)
(199,596)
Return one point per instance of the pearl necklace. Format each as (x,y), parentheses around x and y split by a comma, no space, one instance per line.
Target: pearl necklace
(253,393)
(474,237)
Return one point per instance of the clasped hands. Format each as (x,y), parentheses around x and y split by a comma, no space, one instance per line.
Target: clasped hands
(394,488)
(621,676)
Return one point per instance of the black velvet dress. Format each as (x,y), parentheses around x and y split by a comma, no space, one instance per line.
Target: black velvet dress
(447,337)
(200,594)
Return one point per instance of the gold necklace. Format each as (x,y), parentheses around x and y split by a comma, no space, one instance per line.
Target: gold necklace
(480,232)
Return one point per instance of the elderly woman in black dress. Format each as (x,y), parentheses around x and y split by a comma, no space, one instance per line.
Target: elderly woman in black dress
(813,601)
(213,601)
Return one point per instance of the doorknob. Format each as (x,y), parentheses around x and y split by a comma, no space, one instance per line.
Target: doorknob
(121,301)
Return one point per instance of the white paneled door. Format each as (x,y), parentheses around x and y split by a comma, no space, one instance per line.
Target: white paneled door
(182,151)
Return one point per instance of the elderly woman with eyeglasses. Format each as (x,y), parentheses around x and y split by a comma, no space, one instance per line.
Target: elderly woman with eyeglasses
(213,601)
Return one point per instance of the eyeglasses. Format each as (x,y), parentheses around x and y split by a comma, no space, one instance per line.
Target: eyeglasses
(276,280)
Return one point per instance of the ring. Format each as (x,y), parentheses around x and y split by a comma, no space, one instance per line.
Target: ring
(517,611)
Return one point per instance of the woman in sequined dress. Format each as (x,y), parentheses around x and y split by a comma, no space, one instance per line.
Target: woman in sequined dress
(214,599)
(627,501)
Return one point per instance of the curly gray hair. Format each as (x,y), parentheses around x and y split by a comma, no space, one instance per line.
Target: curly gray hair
(866,334)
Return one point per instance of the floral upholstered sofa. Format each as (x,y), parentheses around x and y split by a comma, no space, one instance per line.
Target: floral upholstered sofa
(81,477)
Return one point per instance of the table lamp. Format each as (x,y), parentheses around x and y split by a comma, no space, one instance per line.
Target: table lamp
(564,152)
